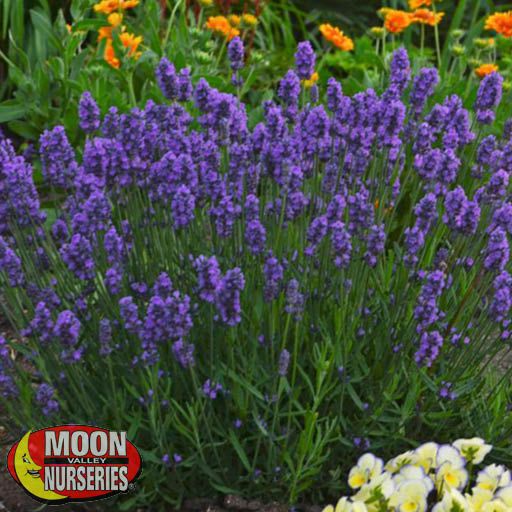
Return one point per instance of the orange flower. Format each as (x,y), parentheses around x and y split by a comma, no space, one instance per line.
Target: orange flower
(500,22)
(414,4)
(396,21)
(335,36)
(110,55)
(485,69)
(221,25)
(427,17)
(109,6)
(131,42)
(105,33)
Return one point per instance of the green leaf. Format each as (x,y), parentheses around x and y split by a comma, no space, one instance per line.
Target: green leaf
(10,110)
(239,450)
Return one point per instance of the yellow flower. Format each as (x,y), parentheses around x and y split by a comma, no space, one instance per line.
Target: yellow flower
(377,31)
(205,3)
(344,505)
(250,20)
(486,69)
(426,455)
(474,449)
(493,477)
(410,496)
(500,22)
(235,20)
(505,495)
(69,28)
(426,17)
(394,465)
(396,21)
(451,473)
(115,19)
(368,466)
(312,80)
(452,500)
(220,25)
(478,498)
(335,36)
(382,483)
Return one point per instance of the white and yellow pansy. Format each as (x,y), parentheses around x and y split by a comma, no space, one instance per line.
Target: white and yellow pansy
(505,495)
(474,450)
(426,456)
(478,498)
(451,472)
(410,496)
(495,506)
(377,489)
(493,477)
(411,472)
(345,505)
(368,467)
(394,465)
(431,478)
(452,500)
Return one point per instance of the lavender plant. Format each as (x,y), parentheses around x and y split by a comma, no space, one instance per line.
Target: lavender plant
(256,305)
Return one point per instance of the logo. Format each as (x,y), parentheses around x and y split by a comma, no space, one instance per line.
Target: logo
(74,463)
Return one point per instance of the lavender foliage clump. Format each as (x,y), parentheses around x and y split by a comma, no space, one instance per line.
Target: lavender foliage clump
(198,243)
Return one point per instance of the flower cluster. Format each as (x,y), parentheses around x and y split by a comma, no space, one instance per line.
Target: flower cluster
(396,21)
(336,37)
(500,22)
(114,9)
(432,477)
(223,266)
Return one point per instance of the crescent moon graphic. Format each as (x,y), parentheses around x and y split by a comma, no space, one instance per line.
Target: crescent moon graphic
(27,472)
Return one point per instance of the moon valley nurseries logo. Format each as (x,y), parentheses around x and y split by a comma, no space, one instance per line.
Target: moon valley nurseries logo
(74,463)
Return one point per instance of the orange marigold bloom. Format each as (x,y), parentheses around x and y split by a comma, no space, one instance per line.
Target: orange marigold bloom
(105,33)
(396,21)
(485,69)
(414,4)
(221,25)
(500,22)
(131,42)
(110,55)
(335,36)
(109,6)
(427,17)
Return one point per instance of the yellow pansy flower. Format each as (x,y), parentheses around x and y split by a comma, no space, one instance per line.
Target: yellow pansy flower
(474,449)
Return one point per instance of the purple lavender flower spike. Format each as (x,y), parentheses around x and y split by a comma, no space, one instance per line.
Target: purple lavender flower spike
(167,79)
(488,97)
(236,53)
(227,297)
(45,398)
(294,299)
(305,60)
(88,113)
